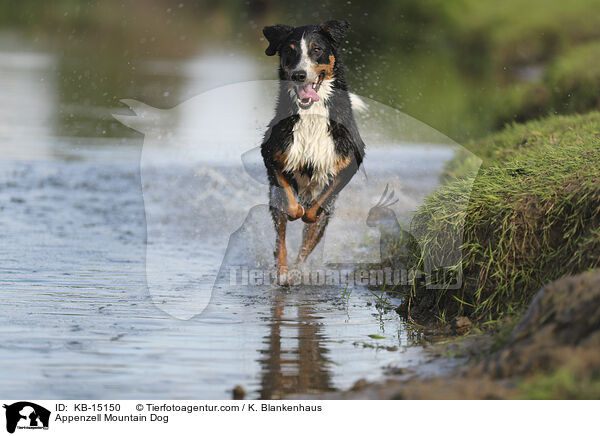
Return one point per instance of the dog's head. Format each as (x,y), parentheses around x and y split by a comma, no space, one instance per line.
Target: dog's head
(307,56)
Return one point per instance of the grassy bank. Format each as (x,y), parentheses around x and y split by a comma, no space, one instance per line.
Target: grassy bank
(533,216)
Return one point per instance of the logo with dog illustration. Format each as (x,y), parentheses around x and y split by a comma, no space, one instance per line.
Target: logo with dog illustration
(26,415)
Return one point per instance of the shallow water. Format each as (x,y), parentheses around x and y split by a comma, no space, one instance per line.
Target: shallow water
(95,239)
(78,320)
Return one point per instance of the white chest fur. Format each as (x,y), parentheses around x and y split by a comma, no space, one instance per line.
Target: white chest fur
(312,146)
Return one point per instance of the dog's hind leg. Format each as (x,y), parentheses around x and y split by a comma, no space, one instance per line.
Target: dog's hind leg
(311,235)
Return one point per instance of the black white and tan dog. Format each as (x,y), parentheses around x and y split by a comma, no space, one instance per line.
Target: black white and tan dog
(312,147)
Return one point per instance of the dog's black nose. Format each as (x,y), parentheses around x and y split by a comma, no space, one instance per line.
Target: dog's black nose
(298,76)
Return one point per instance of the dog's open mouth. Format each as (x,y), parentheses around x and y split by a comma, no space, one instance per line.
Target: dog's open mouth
(307,94)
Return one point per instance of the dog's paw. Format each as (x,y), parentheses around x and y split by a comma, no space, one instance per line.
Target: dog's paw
(283,278)
(295,211)
(310,216)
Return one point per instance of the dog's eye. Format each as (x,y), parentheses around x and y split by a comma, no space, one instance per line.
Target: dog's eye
(316,50)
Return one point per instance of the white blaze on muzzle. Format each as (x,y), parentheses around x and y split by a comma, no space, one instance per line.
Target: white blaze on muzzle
(307,92)
(306,63)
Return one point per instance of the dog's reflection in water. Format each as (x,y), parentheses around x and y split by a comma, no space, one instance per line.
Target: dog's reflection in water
(295,359)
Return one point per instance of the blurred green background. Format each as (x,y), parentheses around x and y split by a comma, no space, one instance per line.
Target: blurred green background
(465,67)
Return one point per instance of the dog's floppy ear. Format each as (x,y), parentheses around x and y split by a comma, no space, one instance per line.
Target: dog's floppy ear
(335,29)
(276,35)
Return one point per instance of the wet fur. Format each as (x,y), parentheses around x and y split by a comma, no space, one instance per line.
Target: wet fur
(317,150)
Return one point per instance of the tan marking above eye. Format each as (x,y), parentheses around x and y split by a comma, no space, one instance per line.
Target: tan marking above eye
(292,46)
(311,44)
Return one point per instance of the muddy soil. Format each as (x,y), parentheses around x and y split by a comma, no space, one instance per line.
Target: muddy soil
(559,330)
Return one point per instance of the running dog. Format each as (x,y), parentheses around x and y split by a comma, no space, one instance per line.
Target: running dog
(312,148)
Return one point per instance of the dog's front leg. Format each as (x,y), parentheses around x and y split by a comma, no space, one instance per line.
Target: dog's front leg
(311,235)
(290,206)
(284,207)
(280,248)
(347,169)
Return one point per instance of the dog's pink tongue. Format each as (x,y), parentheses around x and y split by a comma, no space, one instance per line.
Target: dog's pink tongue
(307,92)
